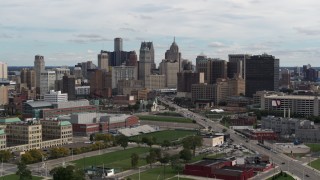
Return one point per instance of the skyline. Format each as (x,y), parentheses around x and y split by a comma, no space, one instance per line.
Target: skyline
(74,31)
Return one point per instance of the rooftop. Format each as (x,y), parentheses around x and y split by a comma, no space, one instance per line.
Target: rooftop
(10,120)
(36,104)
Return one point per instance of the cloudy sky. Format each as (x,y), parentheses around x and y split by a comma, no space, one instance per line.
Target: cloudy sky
(71,31)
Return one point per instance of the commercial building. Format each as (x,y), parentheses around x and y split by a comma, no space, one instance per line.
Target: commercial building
(68,86)
(54,129)
(123,73)
(125,87)
(55,96)
(101,84)
(173,55)
(212,141)
(185,80)
(82,91)
(39,66)
(236,61)
(155,81)
(4,99)
(103,61)
(28,77)
(146,60)
(170,70)
(218,169)
(299,104)
(60,72)
(262,73)
(216,68)
(3,71)
(259,134)
(201,65)
(47,82)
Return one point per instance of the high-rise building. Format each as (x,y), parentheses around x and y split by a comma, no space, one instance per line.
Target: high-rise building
(28,76)
(47,82)
(170,70)
(133,58)
(201,65)
(285,78)
(146,60)
(237,60)
(118,44)
(39,66)
(155,81)
(173,54)
(101,83)
(216,68)
(123,73)
(185,81)
(68,86)
(55,96)
(60,72)
(4,95)
(262,73)
(234,69)
(3,71)
(85,66)
(103,61)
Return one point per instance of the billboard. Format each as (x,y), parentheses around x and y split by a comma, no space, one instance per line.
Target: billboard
(276,103)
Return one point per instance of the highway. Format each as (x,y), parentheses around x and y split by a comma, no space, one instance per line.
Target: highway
(284,162)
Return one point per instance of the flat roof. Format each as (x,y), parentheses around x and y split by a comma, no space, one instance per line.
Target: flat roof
(10,120)
(35,104)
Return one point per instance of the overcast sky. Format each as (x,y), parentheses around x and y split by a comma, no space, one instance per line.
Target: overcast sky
(71,31)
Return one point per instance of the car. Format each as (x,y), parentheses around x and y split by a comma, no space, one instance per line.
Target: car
(283,163)
(307,175)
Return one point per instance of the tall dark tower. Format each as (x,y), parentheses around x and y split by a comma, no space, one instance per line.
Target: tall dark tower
(216,68)
(68,86)
(262,73)
(146,60)
(118,44)
(173,54)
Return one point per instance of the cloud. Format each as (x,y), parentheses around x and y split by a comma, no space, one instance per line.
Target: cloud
(127,29)
(89,38)
(5,36)
(307,31)
(217,44)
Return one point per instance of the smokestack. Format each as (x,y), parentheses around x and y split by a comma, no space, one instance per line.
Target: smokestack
(284,113)
(289,113)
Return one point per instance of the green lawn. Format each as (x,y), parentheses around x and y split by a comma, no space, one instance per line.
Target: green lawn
(15,177)
(120,160)
(166,119)
(314,147)
(174,114)
(315,164)
(169,135)
(156,173)
(288,177)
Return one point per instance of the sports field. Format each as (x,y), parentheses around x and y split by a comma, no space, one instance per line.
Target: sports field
(166,119)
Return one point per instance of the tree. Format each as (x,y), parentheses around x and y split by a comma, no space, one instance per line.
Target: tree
(224,130)
(134,160)
(5,155)
(192,142)
(122,140)
(166,144)
(151,158)
(92,137)
(23,172)
(176,163)
(69,172)
(36,154)
(27,158)
(185,154)
(58,152)
(157,152)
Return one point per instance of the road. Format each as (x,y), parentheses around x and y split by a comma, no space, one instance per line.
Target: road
(284,162)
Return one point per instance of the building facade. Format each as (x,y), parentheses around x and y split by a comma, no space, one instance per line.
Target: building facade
(146,60)
(103,61)
(47,82)
(3,71)
(216,68)
(123,73)
(39,66)
(170,69)
(55,96)
(155,81)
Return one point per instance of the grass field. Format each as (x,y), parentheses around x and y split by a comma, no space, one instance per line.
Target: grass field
(169,135)
(16,177)
(166,119)
(314,147)
(288,177)
(120,160)
(169,114)
(315,164)
(157,173)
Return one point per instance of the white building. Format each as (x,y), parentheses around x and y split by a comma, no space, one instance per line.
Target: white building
(170,70)
(303,105)
(47,81)
(55,96)
(60,72)
(211,141)
(123,73)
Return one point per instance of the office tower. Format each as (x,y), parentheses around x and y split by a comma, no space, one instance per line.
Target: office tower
(173,54)
(262,73)
(60,72)
(28,76)
(185,80)
(47,82)
(123,73)
(103,61)
(155,81)
(85,66)
(39,66)
(4,95)
(146,60)
(68,86)
(3,71)
(201,65)
(170,70)
(118,44)
(311,74)
(237,60)
(216,68)
(234,69)
(285,78)
(55,96)
(133,58)
(101,84)
(186,65)
(77,72)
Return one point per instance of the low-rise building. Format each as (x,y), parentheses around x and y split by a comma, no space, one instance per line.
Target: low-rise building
(3,139)
(212,140)
(53,129)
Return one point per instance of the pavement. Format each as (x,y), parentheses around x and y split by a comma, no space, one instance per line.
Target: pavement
(284,162)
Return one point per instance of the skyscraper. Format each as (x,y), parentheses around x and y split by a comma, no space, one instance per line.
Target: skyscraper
(262,73)
(68,86)
(146,60)
(118,44)
(103,61)
(216,68)
(39,66)
(3,70)
(173,54)
(237,64)
(28,76)
(201,65)
(47,82)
